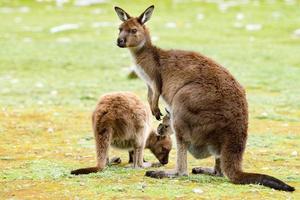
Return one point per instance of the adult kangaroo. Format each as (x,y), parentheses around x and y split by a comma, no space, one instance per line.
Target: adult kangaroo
(208,106)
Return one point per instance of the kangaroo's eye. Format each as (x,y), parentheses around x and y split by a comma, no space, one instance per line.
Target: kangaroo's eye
(133,30)
(166,126)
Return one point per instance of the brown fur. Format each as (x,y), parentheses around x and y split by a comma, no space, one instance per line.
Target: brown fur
(208,106)
(121,120)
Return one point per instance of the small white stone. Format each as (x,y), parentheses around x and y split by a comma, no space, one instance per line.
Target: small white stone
(50,130)
(171,25)
(27,40)
(294,153)
(97,11)
(64,27)
(53,92)
(154,38)
(240,16)
(253,27)
(200,16)
(14,81)
(197,191)
(264,114)
(56,114)
(24,9)
(297,32)
(88,2)
(39,85)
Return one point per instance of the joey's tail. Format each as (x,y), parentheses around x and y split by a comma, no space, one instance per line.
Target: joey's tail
(87,170)
(231,165)
(102,140)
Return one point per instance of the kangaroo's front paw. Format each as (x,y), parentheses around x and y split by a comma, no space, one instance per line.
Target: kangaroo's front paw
(156,112)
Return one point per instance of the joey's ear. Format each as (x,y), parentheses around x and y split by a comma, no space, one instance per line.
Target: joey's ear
(167,111)
(146,15)
(124,16)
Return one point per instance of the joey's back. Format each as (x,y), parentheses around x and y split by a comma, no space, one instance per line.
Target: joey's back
(124,113)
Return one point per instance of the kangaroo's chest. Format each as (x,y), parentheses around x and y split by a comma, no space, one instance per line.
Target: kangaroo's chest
(143,75)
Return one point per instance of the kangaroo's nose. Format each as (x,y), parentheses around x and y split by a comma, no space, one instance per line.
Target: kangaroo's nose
(121,42)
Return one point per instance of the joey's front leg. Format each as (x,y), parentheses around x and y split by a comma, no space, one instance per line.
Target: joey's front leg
(153,99)
(138,157)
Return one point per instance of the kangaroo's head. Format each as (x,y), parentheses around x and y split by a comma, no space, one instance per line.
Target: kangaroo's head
(160,146)
(133,34)
(164,127)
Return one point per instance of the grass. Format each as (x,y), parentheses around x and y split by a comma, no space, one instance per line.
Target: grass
(49,84)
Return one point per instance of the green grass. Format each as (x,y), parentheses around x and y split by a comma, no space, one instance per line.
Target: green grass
(47,84)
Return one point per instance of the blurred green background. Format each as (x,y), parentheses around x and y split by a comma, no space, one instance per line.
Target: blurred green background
(58,57)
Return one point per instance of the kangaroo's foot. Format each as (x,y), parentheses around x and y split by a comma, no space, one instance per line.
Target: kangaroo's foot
(164,174)
(207,171)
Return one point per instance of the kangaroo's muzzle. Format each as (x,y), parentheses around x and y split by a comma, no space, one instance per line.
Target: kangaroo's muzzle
(121,42)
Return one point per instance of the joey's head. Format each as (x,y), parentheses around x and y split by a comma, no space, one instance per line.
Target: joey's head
(164,128)
(132,32)
(160,146)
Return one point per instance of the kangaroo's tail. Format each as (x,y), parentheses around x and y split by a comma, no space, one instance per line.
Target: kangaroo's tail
(261,179)
(231,159)
(87,170)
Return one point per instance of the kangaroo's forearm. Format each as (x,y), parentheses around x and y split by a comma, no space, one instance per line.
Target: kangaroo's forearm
(150,94)
(154,102)
(155,99)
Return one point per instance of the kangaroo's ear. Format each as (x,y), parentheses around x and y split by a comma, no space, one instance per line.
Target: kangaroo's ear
(124,16)
(146,15)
